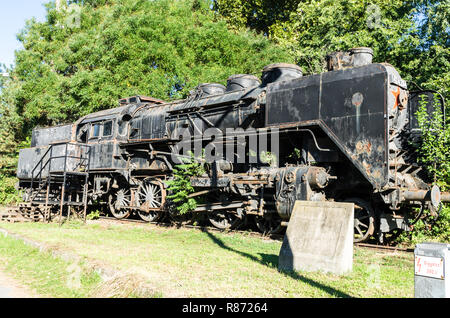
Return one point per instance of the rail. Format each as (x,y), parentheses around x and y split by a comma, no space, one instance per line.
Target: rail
(274,237)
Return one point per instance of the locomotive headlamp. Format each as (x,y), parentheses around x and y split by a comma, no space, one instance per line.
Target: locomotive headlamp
(435,196)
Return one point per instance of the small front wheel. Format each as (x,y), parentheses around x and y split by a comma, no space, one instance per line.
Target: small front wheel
(268,224)
(224,220)
(364,220)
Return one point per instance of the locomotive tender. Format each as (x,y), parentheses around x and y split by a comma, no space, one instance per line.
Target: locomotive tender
(342,135)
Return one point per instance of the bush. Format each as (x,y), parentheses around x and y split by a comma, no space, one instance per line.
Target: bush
(429,229)
(433,152)
(434,147)
(180,187)
(8,192)
(94,215)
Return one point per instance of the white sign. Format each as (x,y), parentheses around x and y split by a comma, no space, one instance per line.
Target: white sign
(429,266)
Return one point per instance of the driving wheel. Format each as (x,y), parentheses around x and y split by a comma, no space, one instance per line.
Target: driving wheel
(150,198)
(119,202)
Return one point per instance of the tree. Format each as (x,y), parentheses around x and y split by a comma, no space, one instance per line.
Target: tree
(259,15)
(90,53)
(411,35)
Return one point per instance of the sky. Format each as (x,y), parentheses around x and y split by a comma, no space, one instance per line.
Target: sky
(13,14)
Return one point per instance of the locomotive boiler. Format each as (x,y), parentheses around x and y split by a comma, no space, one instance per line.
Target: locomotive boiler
(342,135)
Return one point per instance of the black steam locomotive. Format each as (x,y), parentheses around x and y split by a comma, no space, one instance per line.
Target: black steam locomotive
(343,135)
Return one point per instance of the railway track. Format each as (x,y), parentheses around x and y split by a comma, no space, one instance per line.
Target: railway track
(385,248)
(275,237)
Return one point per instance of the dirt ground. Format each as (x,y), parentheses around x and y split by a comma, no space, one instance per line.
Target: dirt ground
(9,288)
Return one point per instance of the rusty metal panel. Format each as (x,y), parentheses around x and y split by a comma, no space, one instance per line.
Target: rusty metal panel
(153,125)
(118,161)
(414,101)
(28,158)
(349,106)
(293,101)
(353,107)
(101,155)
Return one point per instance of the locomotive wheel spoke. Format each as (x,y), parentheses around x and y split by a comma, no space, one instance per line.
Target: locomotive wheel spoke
(363,220)
(358,229)
(118,203)
(150,195)
(359,224)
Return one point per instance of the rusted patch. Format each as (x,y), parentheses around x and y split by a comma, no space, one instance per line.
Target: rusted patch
(376,174)
(364,146)
(396,95)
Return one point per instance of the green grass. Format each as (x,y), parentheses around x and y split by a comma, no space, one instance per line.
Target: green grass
(191,263)
(46,275)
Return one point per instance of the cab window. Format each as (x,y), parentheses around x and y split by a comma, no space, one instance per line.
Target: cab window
(107,129)
(95,130)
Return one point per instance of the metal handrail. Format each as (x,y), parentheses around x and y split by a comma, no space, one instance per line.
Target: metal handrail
(42,166)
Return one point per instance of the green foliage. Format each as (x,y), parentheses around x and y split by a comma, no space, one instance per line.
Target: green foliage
(269,158)
(120,48)
(433,151)
(431,230)
(434,148)
(8,192)
(180,186)
(411,35)
(296,154)
(9,151)
(126,47)
(94,215)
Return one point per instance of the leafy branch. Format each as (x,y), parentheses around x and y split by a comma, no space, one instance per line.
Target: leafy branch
(180,186)
(434,148)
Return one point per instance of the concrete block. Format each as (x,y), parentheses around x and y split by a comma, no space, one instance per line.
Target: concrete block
(319,237)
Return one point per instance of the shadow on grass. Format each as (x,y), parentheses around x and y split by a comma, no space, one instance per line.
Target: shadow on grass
(271,261)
